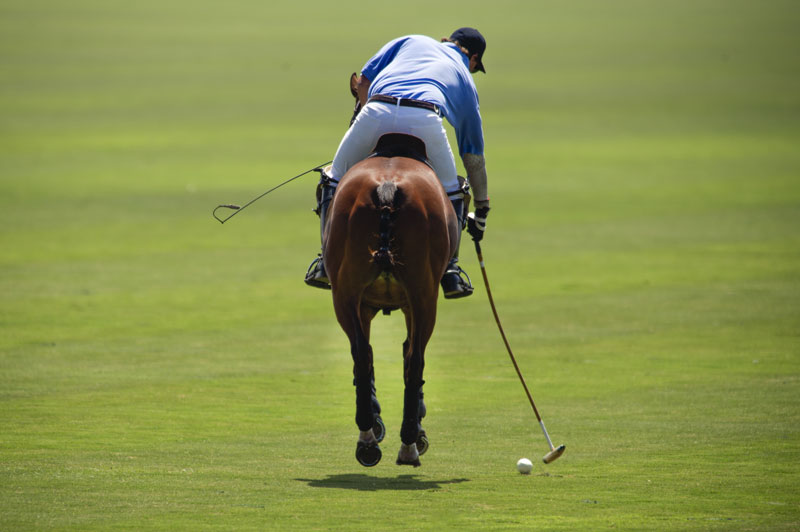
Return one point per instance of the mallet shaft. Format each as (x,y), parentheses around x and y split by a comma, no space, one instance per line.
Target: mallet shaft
(554,452)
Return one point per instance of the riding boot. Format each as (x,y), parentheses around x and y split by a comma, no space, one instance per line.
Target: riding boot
(316,275)
(455,281)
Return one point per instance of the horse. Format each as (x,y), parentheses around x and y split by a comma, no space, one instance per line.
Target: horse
(390,233)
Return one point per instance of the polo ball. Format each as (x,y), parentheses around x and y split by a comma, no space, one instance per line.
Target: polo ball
(524,466)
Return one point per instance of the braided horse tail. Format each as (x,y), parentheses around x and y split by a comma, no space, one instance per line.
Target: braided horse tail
(387,199)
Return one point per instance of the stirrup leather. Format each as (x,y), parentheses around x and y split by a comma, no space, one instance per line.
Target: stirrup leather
(316,275)
(456,283)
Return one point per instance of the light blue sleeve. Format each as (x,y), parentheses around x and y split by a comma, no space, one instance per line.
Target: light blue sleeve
(469,126)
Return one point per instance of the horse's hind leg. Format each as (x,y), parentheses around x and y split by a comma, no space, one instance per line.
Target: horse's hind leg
(420,321)
(422,437)
(367,451)
(363,371)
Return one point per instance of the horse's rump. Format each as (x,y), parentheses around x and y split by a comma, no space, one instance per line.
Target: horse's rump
(391,229)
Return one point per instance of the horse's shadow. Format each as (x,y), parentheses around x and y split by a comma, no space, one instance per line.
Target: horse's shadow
(362,482)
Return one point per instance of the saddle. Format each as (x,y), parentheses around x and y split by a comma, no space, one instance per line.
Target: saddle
(401,145)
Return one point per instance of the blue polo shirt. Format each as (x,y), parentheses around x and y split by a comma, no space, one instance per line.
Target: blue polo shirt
(421,68)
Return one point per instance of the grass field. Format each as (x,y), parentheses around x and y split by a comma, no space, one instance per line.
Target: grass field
(159,371)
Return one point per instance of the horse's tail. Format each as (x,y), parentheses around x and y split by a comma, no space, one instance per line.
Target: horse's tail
(387,198)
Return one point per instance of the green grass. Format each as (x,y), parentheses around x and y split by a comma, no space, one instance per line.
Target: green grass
(159,371)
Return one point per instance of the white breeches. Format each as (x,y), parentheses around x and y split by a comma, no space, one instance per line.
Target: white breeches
(377,119)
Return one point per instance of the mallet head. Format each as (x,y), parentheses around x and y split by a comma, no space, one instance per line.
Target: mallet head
(554,454)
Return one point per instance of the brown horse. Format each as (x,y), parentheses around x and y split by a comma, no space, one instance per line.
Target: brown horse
(390,233)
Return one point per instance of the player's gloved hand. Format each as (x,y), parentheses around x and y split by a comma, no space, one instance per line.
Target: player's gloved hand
(476,223)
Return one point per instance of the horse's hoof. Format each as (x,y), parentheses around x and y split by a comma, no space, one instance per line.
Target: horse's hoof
(408,455)
(368,454)
(415,463)
(422,443)
(379,429)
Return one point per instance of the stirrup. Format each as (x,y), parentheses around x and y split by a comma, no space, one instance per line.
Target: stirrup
(454,284)
(316,276)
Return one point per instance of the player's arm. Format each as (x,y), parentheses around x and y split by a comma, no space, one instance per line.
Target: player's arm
(475,165)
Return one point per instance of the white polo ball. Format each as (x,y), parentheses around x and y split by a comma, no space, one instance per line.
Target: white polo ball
(524,466)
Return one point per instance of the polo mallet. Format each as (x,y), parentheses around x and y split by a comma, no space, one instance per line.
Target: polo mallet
(237,209)
(555,452)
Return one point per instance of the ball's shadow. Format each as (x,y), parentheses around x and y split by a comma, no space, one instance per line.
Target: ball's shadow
(362,482)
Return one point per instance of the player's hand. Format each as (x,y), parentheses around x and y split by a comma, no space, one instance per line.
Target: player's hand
(476,223)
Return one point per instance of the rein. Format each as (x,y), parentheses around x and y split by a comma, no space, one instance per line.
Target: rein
(237,209)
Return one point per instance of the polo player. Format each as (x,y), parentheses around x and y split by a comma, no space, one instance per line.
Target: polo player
(408,87)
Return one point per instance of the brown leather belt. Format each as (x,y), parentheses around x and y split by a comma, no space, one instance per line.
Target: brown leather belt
(405,102)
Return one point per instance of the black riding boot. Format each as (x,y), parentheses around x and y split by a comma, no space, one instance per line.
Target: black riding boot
(316,275)
(455,281)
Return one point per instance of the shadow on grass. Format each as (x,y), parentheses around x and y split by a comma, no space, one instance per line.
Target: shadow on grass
(362,482)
